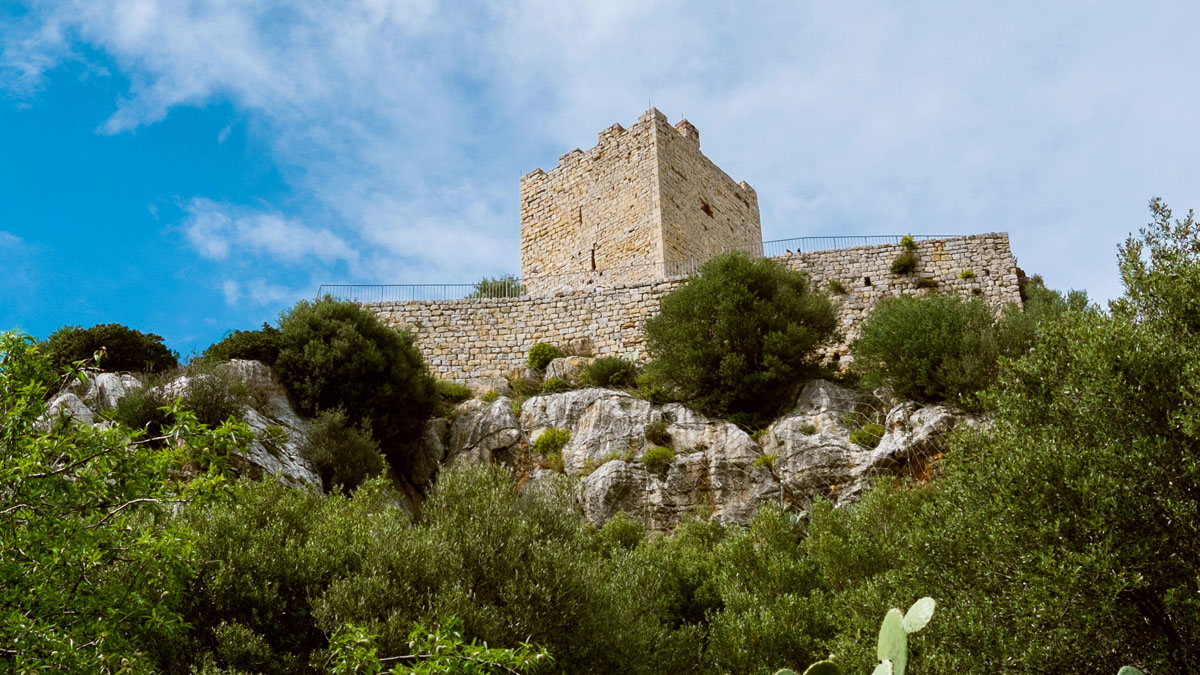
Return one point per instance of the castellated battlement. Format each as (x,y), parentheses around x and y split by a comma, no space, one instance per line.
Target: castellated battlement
(641,205)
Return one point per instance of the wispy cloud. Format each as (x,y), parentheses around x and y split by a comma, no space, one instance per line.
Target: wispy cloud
(402,126)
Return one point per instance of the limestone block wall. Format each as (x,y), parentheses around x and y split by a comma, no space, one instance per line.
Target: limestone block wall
(641,205)
(704,212)
(596,210)
(464,339)
(865,274)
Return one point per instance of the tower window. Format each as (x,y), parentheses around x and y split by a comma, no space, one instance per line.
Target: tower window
(866,281)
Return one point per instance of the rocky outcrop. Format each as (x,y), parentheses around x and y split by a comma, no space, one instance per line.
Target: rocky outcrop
(568,367)
(279,432)
(718,469)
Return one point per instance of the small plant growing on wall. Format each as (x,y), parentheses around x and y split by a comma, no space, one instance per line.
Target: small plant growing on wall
(541,355)
(837,287)
(927,282)
(658,458)
(551,441)
(907,260)
(967,275)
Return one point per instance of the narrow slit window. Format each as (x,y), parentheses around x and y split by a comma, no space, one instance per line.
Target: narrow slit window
(866,281)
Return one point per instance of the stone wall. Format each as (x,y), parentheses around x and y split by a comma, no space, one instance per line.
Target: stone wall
(639,206)
(465,339)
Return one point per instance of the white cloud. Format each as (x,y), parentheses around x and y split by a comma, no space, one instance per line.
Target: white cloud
(215,230)
(402,127)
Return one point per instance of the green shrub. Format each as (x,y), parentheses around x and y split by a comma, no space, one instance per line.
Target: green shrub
(541,354)
(933,348)
(836,287)
(342,455)
(551,440)
(490,396)
(868,436)
(908,243)
(808,428)
(658,458)
(498,287)
(215,394)
(649,389)
(766,460)
(452,392)
(904,263)
(736,338)
(555,385)
(339,355)
(656,433)
(143,408)
(122,348)
(967,275)
(255,345)
(927,282)
(609,371)
(552,461)
(524,386)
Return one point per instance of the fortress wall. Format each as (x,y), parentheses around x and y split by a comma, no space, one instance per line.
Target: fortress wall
(464,339)
(596,210)
(704,212)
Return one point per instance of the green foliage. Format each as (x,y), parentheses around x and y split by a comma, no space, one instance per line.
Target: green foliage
(213,394)
(836,287)
(967,275)
(122,348)
(765,460)
(551,440)
(658,458)
(452,392)
(927,282)
(904,263)
(541,354)
(339,355)
(255,345)
(868,436)
(490,396)
(609,371)
(933,348)
(431,652)
(88,570)
(555,385)
(736,338)
(343,455)
(524,386)
(506,286)
(656,433)
(145,409)
(908,243)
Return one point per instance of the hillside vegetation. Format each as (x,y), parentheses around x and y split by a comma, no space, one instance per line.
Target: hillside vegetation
(1060,537)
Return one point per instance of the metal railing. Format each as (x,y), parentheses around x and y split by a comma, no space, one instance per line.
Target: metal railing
(513,286)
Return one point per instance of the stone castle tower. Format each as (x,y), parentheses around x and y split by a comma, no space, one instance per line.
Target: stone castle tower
(643,204)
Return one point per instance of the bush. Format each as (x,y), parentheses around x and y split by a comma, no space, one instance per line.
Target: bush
(215,394)
(453,392)
(609,371)
(490,396)
(927,282)
(123,348)
(254,345)
(342,455)
(868,436)
(524,386)
(658,458)
(904,263)
(339,355)
(541,354)
(145,409)
(738,337)
(498,287)
(555,385)
(929,349)
(967,275)
(551,440)
(836,287)
(656,433)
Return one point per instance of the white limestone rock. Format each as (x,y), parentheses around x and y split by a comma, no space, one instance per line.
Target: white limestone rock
(481,431)
(830,407)
(104,390)
(568,367)
(67,404)
(560,410)
(611,425)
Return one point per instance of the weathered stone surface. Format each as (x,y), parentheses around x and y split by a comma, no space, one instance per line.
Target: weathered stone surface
(560,410)
(568,367)
(431,452)
(830,407)
(614,487)
(103,390)
(611,425)
(811,463)
(482,385)
(68,404)
(482,430)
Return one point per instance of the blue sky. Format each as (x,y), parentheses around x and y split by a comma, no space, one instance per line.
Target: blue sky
(188,168)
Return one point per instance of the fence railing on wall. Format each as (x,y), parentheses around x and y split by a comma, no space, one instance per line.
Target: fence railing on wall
(512,286)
